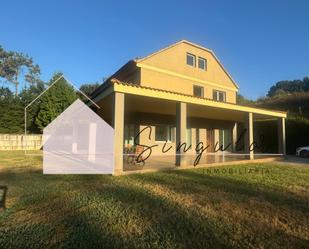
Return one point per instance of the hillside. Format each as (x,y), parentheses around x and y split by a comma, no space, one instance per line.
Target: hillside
(296,104)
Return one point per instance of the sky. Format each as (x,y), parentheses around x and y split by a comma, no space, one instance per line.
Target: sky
(258,42)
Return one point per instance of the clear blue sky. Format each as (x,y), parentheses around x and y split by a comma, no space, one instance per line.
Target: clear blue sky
(259,42)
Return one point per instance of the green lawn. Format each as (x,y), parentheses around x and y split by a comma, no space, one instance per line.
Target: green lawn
(267,208)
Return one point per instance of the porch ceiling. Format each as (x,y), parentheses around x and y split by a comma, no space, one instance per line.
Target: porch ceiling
(225,109)
(148,100)
(134,103)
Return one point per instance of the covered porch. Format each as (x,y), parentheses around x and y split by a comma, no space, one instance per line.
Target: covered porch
(175,129)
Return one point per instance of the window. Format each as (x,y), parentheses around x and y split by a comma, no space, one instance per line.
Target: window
(130,131)
(202,63)
(219,96)
(164,133)
(191,60)
(198,91)
(225,139)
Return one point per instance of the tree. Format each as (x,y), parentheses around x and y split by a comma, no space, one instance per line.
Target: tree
(89,88)
(14,65)
(12,112)
(26,97)
(54,101)
(287,87)
(241,100)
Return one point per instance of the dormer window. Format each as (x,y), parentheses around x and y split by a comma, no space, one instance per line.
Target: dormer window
(191,59)
(202,63)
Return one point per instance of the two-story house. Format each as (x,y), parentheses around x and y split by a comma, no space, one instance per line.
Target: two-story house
(185,95)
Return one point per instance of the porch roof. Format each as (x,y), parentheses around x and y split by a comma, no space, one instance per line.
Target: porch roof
(115,85)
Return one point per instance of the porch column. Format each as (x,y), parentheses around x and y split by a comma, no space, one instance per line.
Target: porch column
(249,135)
(194,138)
(118,124)
(181,129)
(202,136)
(281,136)
(234,137)
(216,140)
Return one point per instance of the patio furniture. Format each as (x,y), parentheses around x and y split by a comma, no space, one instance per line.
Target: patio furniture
(133,153)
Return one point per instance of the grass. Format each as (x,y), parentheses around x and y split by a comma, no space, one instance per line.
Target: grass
(256,206)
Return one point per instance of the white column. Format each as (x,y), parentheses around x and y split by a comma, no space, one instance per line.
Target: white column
(216,140)
(281,136)
(234,137)
(118,124)
(249,135)
(194,138)
(181,127)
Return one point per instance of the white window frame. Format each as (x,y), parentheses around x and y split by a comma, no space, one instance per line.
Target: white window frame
(217,94)
(194,59)
(205,63)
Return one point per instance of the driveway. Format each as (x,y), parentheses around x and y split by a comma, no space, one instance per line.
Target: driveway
(296,160)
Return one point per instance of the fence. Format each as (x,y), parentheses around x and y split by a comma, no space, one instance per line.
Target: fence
(20,142)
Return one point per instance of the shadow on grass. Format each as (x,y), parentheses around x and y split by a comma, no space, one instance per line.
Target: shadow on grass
(158,222)
(114,215)
(182,182)
(107,212)
(3,191)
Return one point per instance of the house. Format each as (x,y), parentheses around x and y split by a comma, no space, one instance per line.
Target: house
(180,94)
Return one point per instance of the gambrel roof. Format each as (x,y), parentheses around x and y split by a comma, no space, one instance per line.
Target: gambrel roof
(194,45)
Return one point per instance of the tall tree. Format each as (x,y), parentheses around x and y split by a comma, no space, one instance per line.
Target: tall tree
(26,97)
(89,88)
(289,86)
(14,66)
(54,101)
(241,100)
(12,112)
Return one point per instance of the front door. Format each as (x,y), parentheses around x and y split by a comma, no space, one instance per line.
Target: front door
(210,140)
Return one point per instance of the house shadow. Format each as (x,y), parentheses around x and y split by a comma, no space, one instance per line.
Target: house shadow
(236,190)
(3,192)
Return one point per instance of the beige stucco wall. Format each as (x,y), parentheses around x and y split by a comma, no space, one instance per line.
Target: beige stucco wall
(196,137)
(157,150)
(198,131)
(151,78)
(168,70)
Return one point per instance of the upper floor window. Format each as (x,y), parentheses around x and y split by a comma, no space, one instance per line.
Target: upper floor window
(198,91)
(219,96)
(191,59)
(202,63)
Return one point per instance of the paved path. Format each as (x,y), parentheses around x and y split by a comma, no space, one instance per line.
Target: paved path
(295,160)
